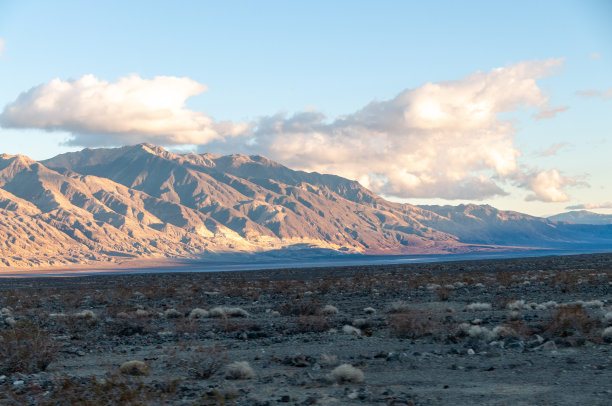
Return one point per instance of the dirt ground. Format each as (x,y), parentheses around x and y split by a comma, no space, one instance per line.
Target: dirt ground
(530,331)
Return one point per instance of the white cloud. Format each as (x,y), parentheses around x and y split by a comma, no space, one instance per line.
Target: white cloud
(441,139)
(589,206)
(448,139)
(547,185)
(595,55)
(1,46)
(130,110)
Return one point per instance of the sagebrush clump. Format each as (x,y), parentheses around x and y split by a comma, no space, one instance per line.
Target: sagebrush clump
(346,373)
(239,370)
(26,348)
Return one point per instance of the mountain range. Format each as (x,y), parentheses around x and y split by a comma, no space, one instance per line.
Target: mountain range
(582,217)
(143,201)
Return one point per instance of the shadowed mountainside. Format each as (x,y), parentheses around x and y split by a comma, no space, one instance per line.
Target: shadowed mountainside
(143,201)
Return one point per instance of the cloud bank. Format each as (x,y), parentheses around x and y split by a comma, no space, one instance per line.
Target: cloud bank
(440,140)
(546,185)
(131,110)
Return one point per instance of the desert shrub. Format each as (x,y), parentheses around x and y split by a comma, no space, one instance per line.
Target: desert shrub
(568,320)
(477,306)
(312,324)
(26,348)
(415,324)
(565,281)
(515,305)
(228,325)
(127,327)
(224,311)
(328,310)
(115,389)
(135,368)
(444,293)
(590,303)
(369,310)
(206,362)
(85,314)
(172,314)
(239,370)
(328,360)
(346,373)
(297,306)
(198,313)
(399,307)
(504,278)
(346,329)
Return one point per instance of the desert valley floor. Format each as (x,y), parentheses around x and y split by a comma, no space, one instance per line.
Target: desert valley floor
(530,331)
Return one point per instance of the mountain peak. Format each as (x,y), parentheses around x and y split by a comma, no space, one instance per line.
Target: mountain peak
(152,148)
(16,161)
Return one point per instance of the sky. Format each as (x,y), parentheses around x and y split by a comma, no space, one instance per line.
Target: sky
(505,103)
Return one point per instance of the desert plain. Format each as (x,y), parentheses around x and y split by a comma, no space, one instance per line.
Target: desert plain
(529,331)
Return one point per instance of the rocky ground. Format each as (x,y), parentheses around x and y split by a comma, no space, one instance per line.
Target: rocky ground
(504,332)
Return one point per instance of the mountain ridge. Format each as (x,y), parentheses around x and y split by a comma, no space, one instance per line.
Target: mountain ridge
(145,202)
(583,217)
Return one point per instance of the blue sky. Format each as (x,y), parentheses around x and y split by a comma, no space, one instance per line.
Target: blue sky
(332,59)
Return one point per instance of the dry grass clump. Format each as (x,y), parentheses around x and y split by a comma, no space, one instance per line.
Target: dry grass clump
(328,360)
(329,310)
(484,333)
(515,305)
(606,334)
(369,310)
(172,314)
(351,330)
(26,348)
(239,370)
(225,311)
(85,314)
(593,304)
(135,368)
(346,373)
(477,306)
(399,307)
(515,315)
(198,313)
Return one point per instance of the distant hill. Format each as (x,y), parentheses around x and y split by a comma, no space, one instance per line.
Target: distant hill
(145,202)
(583,217)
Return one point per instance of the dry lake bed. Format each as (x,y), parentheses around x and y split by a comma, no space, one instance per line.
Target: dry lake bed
(529,331)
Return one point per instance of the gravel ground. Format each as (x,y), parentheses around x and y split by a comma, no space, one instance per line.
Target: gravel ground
(495,332)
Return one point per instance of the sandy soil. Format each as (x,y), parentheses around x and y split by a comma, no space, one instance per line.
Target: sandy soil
(533,335)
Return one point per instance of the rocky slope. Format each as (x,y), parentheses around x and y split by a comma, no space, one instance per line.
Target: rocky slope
(143,201)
